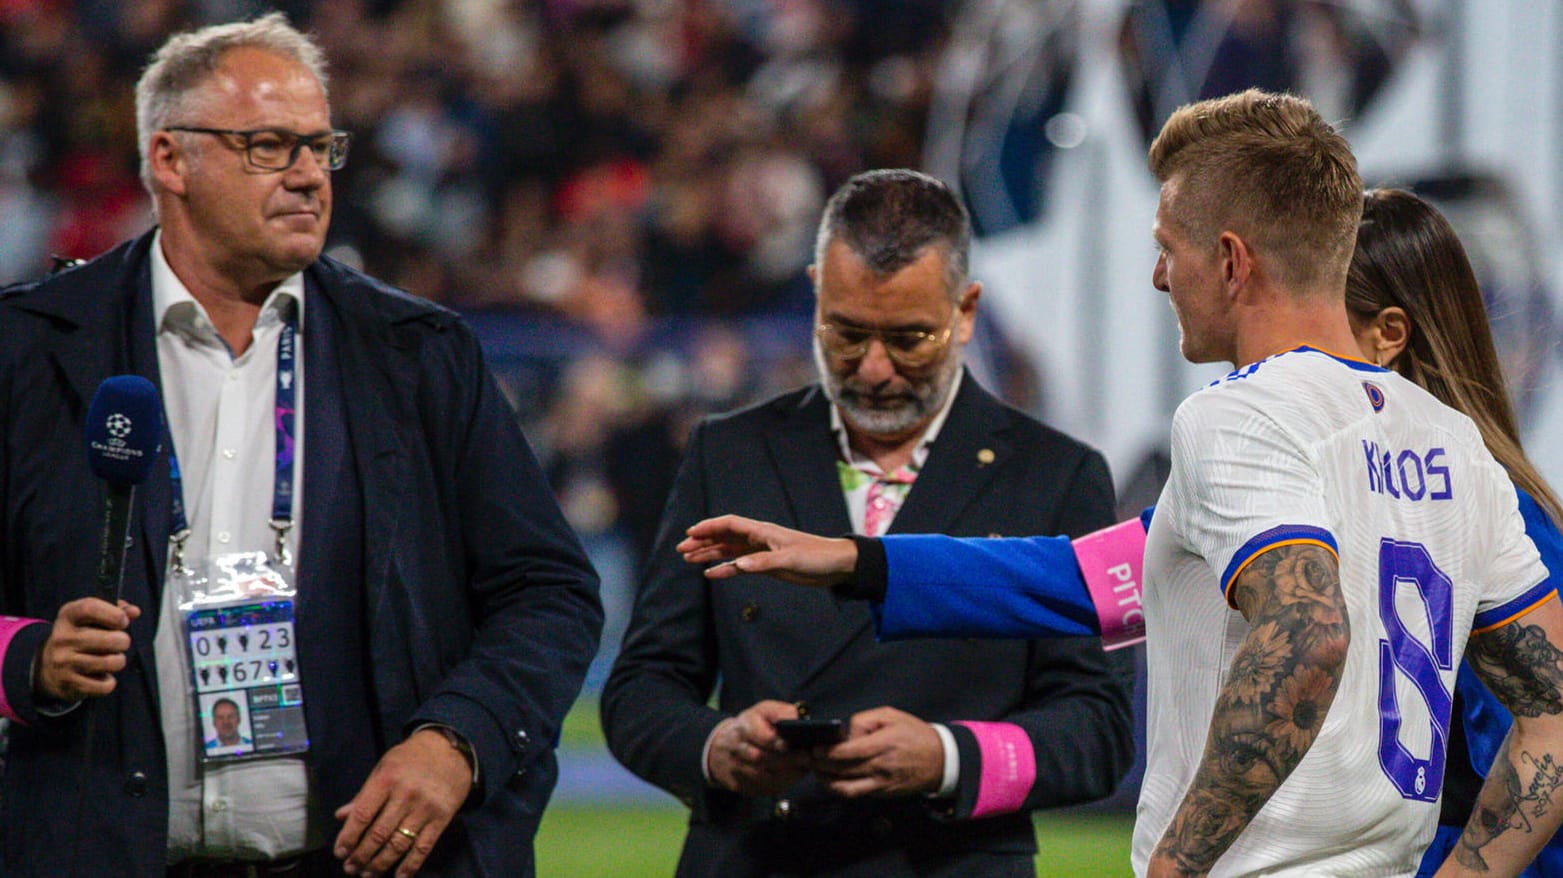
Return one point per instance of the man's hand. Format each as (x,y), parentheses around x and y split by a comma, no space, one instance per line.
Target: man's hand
(888,752)
(404,807)
(747,757)
(85,649)
(748,546)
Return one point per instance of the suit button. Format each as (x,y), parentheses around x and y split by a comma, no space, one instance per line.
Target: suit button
(749,613)
(136,784)
(803,709)
(523,741)
(782,809)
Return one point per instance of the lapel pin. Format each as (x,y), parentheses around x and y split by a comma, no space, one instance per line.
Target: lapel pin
(985,457)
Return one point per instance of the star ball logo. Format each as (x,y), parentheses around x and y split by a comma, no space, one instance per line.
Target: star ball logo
(119,426)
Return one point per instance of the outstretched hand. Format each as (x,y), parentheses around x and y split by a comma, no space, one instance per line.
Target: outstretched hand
(743,545)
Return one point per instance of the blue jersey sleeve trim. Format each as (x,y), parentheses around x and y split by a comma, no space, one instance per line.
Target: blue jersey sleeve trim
(1274,538)
(1501,615)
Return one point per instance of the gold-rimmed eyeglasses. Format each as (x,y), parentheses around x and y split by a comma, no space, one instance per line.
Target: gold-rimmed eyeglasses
(276,149)
(911,348)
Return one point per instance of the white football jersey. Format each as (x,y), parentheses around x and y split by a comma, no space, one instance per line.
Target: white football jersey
(1308,447)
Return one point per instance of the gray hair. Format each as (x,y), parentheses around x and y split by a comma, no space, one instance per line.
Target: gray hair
(187,60)
(888,217)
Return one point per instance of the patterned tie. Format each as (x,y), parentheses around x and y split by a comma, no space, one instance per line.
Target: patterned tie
(885,497)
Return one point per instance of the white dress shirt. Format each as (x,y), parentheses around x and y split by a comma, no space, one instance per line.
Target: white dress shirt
(857,509)
(220,410)
(857,500)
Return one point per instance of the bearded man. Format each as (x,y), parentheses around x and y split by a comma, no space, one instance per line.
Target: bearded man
(896,437)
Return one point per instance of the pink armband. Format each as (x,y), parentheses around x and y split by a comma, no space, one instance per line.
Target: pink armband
(1009,767)
(9,625)
(1111,562)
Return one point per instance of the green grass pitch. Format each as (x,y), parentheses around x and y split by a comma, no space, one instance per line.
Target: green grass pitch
(610,842)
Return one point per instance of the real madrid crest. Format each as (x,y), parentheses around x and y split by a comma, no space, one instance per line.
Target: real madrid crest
(1375,395)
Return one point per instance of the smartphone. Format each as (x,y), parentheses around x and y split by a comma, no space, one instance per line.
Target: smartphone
(801,734)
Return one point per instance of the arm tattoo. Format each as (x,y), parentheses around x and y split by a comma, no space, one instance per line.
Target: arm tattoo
(1520,664)
(1278,690)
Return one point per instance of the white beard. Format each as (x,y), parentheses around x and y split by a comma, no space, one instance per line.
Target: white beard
(927,396)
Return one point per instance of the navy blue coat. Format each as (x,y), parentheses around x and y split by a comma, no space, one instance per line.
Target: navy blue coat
(435,562)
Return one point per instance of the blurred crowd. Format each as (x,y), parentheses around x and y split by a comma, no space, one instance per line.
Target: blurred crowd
(606,160)
(622,193)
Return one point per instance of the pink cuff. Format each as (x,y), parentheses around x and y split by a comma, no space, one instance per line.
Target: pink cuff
(1009,767)
(1112,561)
(9,625)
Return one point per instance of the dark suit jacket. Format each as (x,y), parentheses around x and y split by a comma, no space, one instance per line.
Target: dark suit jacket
(755,638)
(438,581)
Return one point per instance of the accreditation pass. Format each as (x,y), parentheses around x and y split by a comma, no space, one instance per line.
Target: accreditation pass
(248,696)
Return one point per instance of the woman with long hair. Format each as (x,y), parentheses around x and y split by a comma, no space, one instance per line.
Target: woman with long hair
(1416,308)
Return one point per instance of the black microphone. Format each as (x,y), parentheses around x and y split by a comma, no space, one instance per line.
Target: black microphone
(124,430)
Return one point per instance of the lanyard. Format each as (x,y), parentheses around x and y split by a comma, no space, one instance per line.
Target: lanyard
(282,485)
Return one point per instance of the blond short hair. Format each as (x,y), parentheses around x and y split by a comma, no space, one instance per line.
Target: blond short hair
(1270,169)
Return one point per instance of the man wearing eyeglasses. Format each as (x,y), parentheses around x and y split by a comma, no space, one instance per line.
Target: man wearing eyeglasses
(950,744)
(333,434)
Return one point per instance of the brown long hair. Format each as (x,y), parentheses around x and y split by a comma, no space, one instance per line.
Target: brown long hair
(1408,256)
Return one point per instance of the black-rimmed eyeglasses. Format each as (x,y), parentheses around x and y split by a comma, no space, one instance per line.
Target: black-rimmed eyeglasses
(276,149)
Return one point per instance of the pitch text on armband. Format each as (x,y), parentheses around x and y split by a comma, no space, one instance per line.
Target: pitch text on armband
(1407,475)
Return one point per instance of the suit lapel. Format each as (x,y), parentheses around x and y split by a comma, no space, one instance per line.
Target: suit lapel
(329,486)
(970,448)
(379,383)
(156,496)
(957,470)
(94,344)
(804,454)
(93,348)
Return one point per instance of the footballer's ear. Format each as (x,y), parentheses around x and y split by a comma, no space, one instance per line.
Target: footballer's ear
(1236,260)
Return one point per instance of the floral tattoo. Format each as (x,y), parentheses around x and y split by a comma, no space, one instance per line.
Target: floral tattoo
(1272,706)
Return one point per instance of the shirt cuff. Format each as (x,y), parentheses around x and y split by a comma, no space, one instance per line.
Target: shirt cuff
(952,762)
